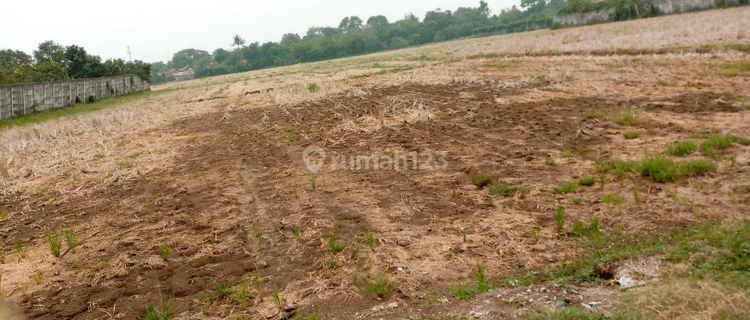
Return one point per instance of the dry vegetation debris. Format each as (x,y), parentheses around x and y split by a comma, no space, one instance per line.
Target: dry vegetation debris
(194,202)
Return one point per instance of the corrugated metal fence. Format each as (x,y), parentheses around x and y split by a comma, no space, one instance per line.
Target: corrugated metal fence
(20,99)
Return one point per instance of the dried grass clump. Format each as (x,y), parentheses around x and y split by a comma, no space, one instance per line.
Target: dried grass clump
(50,148)
(689,299)
(4,173)
(396,111)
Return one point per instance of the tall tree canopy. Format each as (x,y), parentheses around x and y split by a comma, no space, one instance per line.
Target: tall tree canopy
(350,24)
(377,22)
(352,36)
(9,59)
(187,57)
(55,62)
(238,41)
(49,51)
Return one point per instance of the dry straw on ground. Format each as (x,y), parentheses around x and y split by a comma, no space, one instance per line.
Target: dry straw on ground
(214,156)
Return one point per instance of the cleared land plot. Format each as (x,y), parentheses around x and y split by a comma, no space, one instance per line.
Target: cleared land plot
(196,201)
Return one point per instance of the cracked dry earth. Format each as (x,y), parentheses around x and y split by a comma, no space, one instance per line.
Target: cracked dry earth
(238,202)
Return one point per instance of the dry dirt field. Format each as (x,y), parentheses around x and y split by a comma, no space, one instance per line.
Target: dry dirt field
(193,200)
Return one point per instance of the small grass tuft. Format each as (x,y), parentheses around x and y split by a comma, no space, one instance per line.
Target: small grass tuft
(587,181)
(681,148)
(560,217)
(466,291)
(636,195)
(224,287)
(162,311)
(566,188)
(379,285)
(302,315)
(714,142)
(70,239)
(659,168)
(368,239)
(613,199)
(569,153)
(631,134)
(626,117)
(135,155)
(291,133)
(259,239)
(276,298)
(18,245)
(240,292)
(164,251)
(504,190)
(103,263)
(334,246)
(481,180)
(313,184)
(741,66)
(54,240)
(126,163)
(596,115)
(313,87)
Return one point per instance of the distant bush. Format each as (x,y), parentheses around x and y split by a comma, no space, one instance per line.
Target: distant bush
(623,11)
(398,43)
(653,11)
(582,6)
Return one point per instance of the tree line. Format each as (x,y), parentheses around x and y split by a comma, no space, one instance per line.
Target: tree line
(53,61)
(355,36)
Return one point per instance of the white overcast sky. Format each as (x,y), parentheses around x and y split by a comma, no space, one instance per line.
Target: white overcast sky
(156,29)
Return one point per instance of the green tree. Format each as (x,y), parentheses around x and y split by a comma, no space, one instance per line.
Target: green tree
(290,39)
(114,67)
(187,57)
(377,22)
(158,70)
(28,73)
(49,71)
(322,32)
(79,66)
(398,43)
(221,55)
(350,24)
(202,64)
(533,6)
(238,41)
(50,51)
(9,59)
(139,68)
(352,37)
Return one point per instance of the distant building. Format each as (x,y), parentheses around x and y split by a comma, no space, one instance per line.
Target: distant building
(178,74)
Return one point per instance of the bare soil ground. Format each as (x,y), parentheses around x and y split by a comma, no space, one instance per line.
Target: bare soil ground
(215,172)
